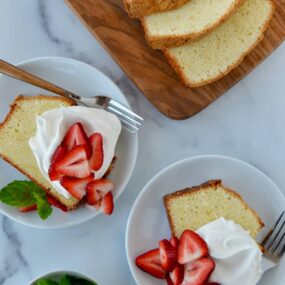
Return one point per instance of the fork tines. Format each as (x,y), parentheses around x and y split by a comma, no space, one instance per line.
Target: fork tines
(275,241)
(128,118)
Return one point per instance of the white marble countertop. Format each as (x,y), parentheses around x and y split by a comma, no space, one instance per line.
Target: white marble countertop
(247,123)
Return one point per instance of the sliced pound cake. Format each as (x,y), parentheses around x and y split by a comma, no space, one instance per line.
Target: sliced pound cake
(194,207)
(141,8)
(15,132)
(191,21)
(212,57)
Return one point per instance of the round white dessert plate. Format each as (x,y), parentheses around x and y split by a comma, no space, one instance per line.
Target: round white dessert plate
(82,79)
(148,223)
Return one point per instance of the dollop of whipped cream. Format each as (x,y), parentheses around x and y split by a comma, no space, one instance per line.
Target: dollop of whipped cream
(53,125)
(237,255)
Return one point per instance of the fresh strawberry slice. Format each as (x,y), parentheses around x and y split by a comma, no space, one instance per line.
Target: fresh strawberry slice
(27,209)
(97,157)
(168,255)
(52,201)
(177,274)
(198,271)
(76,186)
(103,185)
(76,136)
(74,163)
(168,280)
(174,242)
(150,262)
(191,247)
(107,205)
(94,197)
(58,155)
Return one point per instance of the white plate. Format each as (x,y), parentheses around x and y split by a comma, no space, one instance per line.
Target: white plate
(148,223)
(86,81)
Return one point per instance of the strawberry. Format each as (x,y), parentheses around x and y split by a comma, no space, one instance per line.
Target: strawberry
(168,255)
(76,136)
(177,274)
(191,247)
(97,157)
(150,262)
(174,242)
(76,186)
(52,201)
(168,280)
(58,155)
(74,163)
(198,271)
(107,205)
(28,209)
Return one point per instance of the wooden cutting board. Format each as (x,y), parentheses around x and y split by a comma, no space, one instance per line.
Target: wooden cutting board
(123,39)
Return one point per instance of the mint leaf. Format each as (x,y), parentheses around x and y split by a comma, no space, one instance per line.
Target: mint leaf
(18,193)
(24,194)
(46,282)
(65,280)
(80,281)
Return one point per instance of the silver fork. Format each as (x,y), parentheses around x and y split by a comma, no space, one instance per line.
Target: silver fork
(274,243)
(128,118)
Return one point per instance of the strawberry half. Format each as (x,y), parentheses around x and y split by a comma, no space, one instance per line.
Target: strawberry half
(174,242)
(191,247)
(177,274)
(198,271)
(97,157)
(76,136)
(52,201)
(28,209)
(74,163)
(99,195)
(168,255)
(58,155)
(107,204)
(150,262)
(76,186)
(168,280)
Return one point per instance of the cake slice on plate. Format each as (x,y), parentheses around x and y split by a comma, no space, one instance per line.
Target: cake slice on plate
(195,207)
(16,130)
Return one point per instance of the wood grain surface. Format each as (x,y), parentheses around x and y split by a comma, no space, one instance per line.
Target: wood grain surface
(123,38)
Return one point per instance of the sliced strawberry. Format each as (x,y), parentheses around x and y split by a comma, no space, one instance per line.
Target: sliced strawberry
(97,157)
(94,197)
(191,247)
(27,209)
(76,136)
(177,274)
(174,242)
(103,185)
(76,186)
(52,201)
(107,205)
(198,271)
(168,280)
(58,155)
(168,255)
(74,163)
(150,262)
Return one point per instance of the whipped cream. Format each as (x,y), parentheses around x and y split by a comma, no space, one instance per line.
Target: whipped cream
(237,255)
(53,125)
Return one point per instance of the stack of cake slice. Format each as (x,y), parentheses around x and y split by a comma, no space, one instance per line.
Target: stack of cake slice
(203,39)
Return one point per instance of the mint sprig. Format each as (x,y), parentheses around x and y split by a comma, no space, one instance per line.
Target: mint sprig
(66,280)
(25,194)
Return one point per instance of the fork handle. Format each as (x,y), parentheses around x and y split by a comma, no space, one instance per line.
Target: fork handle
(17,73)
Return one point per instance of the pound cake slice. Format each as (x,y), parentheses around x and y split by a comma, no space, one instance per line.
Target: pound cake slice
(141,8)
(189,22)
(212,57)
(194,207)
(15,132)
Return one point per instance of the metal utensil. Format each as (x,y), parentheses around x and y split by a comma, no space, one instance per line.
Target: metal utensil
(128,118)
